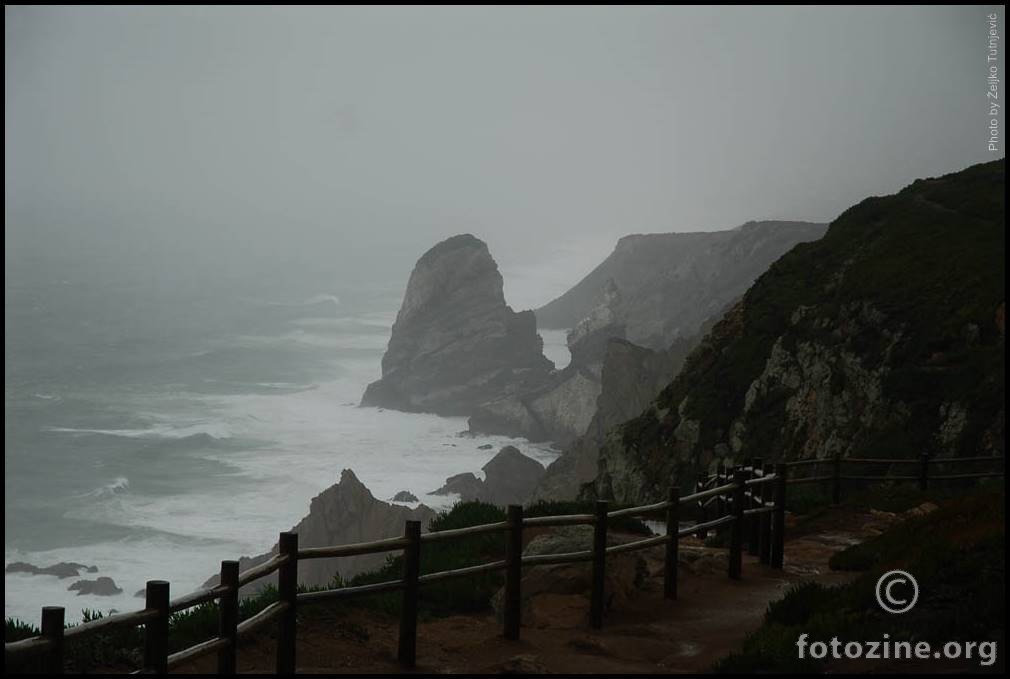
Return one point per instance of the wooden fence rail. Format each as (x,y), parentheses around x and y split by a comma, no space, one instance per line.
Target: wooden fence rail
(749,499)
(924,465)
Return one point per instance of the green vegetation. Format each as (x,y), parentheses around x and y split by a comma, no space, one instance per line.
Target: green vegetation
(911,285)
(956,553)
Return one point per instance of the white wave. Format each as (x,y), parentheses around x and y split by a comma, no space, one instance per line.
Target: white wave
(120,484)
(217,430)
(322,297)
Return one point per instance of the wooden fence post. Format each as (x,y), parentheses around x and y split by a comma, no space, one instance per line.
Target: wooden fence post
(52,629)
(700,485)
(767,495)
(407,653)
(720,503)
(672,544)
(513,572)
(156,631)
(599,565)
(287,591)
(736,534)
(228,618)
(779,517)
(836,479)
(923,471)
(754,521)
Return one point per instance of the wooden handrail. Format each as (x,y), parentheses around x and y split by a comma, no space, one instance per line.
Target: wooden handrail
(197,651)
(560,520)
(355,549)
(201,596)
(265,568)
(348,592)
(719,490)
(110,622)
(271,612)
(433,536)
(635,511)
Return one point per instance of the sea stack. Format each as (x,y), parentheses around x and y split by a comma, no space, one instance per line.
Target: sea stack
(456,343)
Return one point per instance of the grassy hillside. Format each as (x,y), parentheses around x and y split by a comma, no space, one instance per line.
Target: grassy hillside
(957,555)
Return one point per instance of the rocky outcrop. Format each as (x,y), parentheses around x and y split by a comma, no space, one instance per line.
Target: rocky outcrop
(344,513)
(509,478)
(631,377)
(466,485)
(671,283)
(562,408)
(404,496)
(102,586)
(885,335)
(456,343)
(63,569)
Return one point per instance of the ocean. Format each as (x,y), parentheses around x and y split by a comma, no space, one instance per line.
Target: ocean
(154,430)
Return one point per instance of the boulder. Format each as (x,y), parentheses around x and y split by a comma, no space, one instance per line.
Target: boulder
(509,478)
(102,586)
(466,485)
(64,569)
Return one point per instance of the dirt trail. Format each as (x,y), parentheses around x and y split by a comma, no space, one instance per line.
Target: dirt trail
(646,633)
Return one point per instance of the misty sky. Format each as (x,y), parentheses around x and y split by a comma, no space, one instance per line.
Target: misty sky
(349,140)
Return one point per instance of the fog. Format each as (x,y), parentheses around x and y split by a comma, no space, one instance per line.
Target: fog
(206,144)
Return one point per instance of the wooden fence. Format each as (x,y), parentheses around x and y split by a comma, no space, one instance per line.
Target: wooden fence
(752,497)
(749,501)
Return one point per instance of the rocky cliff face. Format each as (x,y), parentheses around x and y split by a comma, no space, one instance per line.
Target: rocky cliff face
(344,513)
(671,283)
(884,338)
(631,377)
(456,343)
(563,406)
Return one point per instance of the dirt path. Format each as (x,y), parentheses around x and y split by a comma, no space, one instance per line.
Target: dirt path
(646,633)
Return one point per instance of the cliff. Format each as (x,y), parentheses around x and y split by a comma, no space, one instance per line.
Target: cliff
(671,283)
(456,343)
(562,407)
(344,513)
(885,336)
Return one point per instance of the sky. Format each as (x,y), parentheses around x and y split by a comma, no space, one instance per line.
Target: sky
(343,142)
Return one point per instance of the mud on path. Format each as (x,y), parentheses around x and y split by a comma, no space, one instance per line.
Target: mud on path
(644,634)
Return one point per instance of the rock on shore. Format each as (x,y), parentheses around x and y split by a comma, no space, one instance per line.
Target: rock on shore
(456,343)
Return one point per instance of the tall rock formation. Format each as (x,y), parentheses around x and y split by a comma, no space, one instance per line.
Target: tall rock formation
(456,343)
(671,283)
(883,339)
(344,513)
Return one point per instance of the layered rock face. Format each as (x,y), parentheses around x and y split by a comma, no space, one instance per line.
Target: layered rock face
(344,513)
(631,377)
(562,408)
(671,283)
(456,343)
(883,339)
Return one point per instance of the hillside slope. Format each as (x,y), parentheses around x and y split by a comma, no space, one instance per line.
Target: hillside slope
(886,336)
(672,282)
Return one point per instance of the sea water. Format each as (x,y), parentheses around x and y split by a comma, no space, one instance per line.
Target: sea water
(155,434)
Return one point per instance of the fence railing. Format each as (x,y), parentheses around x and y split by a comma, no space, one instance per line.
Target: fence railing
(922,470)
(752,505)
